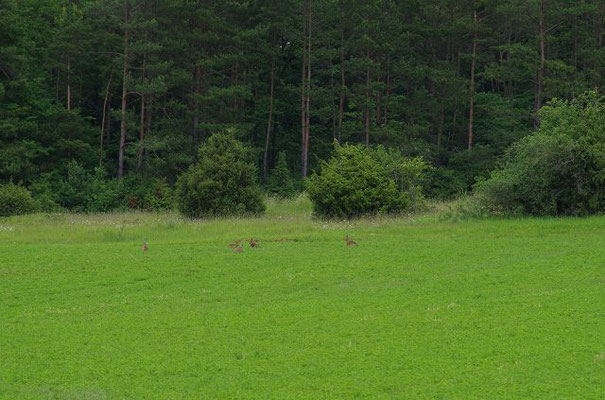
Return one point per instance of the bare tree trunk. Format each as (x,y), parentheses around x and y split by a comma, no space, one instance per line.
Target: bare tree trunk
(196,105)
(341,105)
(124,96)
(471,112)
(541,69)
(303,94)
(600,24)
(68,84)
(269,124)
(308,104)
(141,133)
(379,108)
(104,118)
(367,102)
(333,104)
(306,88)
(142,123)
(388,95)
(441,125)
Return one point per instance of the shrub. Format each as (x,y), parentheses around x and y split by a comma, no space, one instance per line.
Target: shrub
(45,193)
(76,188)
(105,194)
(221,183)
(557,171)
(359,180)
(15,200)
(150,194)
(280,182)
(543,175)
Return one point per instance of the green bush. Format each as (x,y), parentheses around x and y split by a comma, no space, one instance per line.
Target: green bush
(280,182)
(221,183)
(44,190)
(151,194)
(360,180)
(15,200)
(105,194)
(81,191)
(560,170)
(75,190)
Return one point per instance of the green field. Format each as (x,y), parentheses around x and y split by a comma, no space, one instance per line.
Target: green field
(422,308)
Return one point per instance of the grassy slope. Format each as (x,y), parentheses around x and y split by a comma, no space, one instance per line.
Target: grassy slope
(421,309)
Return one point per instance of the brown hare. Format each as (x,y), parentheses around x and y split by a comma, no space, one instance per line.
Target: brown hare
(349,242)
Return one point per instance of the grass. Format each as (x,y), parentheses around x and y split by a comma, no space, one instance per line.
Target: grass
(422,308)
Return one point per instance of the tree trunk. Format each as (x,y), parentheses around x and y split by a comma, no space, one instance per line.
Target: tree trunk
(196,105)
(367,102)
(341,105)
(124,96)
(441,125)
(388,94)
(142,123)
(103,119)
(306,87)
(541,69)
(269,125)
(308,104)
(303,108)
(471,112)
(68,84)
(141,133)
(379,108)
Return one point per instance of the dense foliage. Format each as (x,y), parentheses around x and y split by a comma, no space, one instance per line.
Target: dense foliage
(15,200)
(281,183)
(558,171)
(221,183)
(136,86)
(359,180)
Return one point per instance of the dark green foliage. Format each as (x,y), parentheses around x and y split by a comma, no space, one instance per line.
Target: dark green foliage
(359,180)
(151,194)
(557,171)
(221,183)
(82,191)
(280,182)
(469,165)
(444,184)
(15,200)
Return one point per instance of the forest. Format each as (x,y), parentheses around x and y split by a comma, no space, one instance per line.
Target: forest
(127,90)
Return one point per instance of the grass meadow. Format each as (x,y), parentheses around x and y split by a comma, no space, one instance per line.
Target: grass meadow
(423,308)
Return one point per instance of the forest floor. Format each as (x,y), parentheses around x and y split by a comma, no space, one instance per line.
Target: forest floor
(421,308)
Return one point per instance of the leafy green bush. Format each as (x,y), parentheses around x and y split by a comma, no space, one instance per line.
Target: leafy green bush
(75,189)
(280,182)
(151,194)
(82,191)
(44,190)
(359,180)
(15,200)
(221,183)
(560,170)
(105,194)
